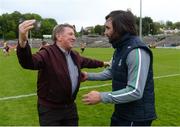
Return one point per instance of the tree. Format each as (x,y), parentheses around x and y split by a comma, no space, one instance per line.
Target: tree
(169,25)
(1,29)
(9,25)
(31,16)
(177,25)
(83,32)
(98,29)
(147,25)
(137,24)
(10,35)
(156,28)
(47,26)
(92,31)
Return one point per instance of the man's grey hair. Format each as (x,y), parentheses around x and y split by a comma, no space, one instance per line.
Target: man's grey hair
(58,29)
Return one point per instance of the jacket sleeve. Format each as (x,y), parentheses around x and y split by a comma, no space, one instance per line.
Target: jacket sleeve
(28,60)
(90,63)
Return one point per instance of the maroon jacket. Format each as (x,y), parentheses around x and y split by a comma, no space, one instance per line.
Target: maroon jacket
(54,84)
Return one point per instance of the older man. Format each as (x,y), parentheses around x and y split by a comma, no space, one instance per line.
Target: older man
(59,73)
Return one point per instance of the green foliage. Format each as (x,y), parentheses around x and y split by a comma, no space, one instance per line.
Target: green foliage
(92,31)
(47,26)
(99,29)
(153,28)
(10,35)
(169,25)
(9,25)
(156,28)
(177,25)
(28,16)
(147,24)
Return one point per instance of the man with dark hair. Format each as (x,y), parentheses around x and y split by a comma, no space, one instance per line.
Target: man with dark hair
(59,73)
(131,73)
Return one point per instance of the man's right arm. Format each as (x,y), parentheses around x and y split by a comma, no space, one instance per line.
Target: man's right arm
(101,76)
(25,57)
(29,61)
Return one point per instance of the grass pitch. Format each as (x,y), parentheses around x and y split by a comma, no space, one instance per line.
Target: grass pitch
(22,111)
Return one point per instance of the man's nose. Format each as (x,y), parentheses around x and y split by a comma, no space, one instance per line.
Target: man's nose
(105,33)
(74,37)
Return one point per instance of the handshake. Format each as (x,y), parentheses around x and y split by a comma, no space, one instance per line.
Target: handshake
(84,75)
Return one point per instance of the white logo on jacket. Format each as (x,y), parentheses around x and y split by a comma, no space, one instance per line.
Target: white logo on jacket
(119,64)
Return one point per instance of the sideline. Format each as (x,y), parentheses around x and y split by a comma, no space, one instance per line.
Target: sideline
(81,88)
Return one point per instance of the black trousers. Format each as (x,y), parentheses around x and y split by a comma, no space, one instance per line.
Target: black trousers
(123,122)
(65,116)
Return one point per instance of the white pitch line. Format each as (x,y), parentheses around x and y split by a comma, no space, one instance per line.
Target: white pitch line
(165,76)
(81,88)
(16,97)
(88,87)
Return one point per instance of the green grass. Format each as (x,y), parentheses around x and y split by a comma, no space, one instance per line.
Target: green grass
(22,112)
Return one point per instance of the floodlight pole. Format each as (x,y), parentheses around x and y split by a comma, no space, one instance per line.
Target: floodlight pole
(140,21)
(30,38)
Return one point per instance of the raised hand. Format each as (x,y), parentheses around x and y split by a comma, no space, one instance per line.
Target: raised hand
(23,31)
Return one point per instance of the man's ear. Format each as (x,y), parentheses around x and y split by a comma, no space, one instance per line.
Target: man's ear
(59,37)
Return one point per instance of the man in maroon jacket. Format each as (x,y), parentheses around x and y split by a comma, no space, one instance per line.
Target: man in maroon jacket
(59,73)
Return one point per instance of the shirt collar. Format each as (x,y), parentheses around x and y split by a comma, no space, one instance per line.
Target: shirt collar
(66,53)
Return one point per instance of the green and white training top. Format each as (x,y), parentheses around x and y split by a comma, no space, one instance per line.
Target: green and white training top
(138,61)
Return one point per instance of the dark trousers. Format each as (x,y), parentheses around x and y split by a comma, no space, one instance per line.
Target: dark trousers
(65,116)
(123,122)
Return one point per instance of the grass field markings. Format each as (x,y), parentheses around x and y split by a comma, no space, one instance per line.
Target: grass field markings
(166,76)
(89,87)
(81,88)
(16,97)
